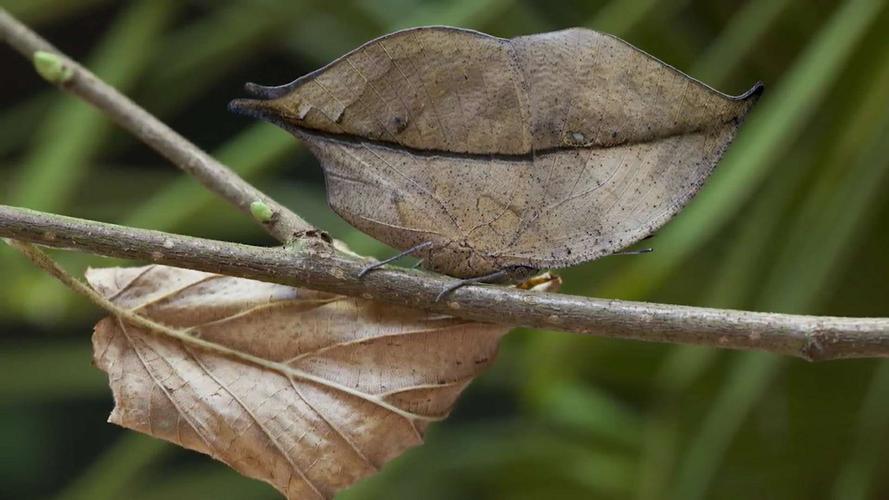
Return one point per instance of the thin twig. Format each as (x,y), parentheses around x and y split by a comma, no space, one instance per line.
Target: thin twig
(808,337)
(283,224)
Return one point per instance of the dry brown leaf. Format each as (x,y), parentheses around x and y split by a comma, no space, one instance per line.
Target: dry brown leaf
(541,151)
(305,390)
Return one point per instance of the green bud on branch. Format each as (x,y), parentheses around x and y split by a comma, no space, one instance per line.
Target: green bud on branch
(52,67)
(261,211)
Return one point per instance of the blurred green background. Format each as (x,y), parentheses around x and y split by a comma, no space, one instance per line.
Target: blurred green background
(794,220)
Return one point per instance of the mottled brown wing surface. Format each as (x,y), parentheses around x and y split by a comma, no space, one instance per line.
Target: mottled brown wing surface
(541,151)
(440,89)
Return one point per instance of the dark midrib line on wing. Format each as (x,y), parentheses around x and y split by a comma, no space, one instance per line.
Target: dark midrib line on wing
(312,135)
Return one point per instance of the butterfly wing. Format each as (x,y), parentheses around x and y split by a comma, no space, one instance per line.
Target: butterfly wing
(542,151)
(465,206)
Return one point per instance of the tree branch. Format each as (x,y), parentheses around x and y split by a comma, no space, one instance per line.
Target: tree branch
(283,224)
(322,268)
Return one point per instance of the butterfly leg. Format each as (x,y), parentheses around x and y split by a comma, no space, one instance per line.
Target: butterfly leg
(377,265)
(513,274)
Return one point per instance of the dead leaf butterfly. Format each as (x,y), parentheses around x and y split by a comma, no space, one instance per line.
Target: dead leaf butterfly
(487,157)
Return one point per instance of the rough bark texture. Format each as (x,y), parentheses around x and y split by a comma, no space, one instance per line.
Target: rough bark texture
(320,268)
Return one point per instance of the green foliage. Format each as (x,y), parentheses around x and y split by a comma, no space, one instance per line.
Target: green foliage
(795,219)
